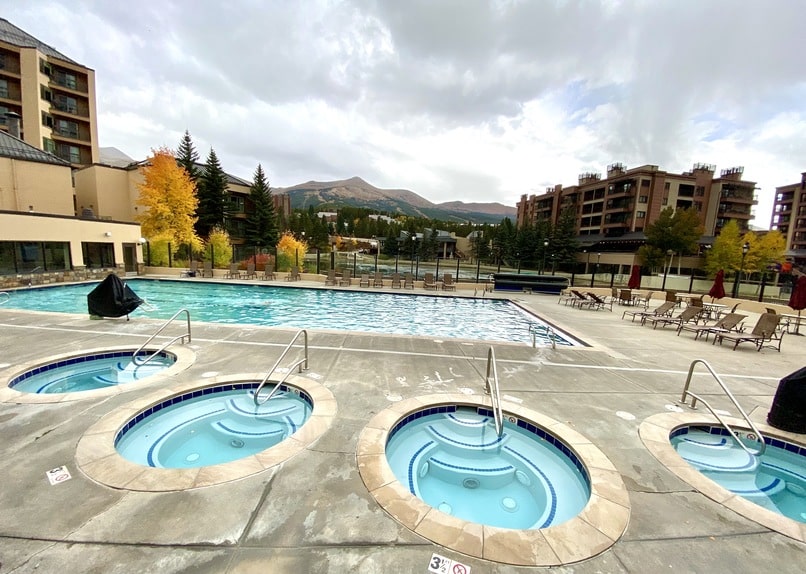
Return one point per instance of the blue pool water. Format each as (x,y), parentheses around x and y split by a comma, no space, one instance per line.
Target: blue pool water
(775,480)
(89,372)
(401,314)
(212,426)
(452,458)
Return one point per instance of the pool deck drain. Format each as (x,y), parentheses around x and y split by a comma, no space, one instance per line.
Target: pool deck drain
(313,512)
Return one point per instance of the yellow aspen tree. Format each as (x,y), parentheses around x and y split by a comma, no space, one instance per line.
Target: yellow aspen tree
(169,196)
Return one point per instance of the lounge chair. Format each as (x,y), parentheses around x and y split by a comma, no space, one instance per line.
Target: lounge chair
(408,281)
(268,272)
(207,269)
(192,271)
(625,297)
(447,282)
(293,275)
(331,277)
(596,302)
(687,315)
(250,272)
(377,281)
(364,280)
(643,299)
(566,297)
(578,299)
(429,282)
(728,323)
(783,322)
(661,310)
(233,272)
(396,284)
(346,277)
(764,334)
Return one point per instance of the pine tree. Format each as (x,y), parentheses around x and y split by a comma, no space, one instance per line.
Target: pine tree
(261,224)
(187,156)
(212,192)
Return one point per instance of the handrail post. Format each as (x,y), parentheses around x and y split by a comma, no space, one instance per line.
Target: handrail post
(494,392)
(300,363)
(163,347)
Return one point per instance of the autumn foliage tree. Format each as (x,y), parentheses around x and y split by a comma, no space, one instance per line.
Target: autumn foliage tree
(290,251)
(169,196)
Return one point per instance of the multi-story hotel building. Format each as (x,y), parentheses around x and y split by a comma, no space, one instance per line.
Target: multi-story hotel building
(627,200)
(789,217)
(53,96)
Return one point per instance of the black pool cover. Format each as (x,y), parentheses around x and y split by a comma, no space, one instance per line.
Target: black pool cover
(112,298)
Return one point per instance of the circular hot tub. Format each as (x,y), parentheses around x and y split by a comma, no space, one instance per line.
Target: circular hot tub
(516,499)
(196,435)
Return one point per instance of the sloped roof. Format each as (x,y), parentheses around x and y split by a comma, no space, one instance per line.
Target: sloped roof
(11,34)
(15,148)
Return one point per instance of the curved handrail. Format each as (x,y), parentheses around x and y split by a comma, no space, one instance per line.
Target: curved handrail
(695,398)
(552,336)
(300,363)
(7,297)
(494,391)
(166,345)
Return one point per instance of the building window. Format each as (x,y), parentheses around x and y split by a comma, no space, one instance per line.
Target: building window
(2,61)
(65,79)
(69,153)
(3,88)
(236,204)
(640,214)
(67,128)
(665,201)
(667,185)
(3,112)
(49,145)
(643,199)
(98,255)
(66,103)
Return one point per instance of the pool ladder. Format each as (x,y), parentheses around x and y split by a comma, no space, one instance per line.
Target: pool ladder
(140,363)
(694,398)
(549,332)
(5,296)
(491,388)
(297,364)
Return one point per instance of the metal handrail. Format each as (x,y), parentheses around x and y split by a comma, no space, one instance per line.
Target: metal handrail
(7,295)
(495,392)
(300,363)
(166,345)
(695,398)
(549,333)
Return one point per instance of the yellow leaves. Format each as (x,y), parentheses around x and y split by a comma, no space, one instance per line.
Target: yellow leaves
(169,196)
(290,251)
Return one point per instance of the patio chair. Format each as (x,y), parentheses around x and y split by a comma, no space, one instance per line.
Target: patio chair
(207,269)
(268,272)
(447,282)
(363,281)
(293,275)
(429,282)
(643,299)
(250,272)
(596,302)
(233,272)
(661,310)
(408,281)
(331,277)
(377,281)
(192,271)
(396,281)
(346,277)
(688,315)
(728,323)
(764,334)
(625,297)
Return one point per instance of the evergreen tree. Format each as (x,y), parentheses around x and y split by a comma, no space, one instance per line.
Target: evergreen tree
(187,156)
(212,192)
(261,224)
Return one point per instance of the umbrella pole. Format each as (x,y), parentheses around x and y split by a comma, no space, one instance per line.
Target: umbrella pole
(797,325)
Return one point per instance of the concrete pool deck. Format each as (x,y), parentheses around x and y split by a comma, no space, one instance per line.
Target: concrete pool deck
(313,512)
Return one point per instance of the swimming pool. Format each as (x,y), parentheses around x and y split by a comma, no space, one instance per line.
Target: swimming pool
(390,313)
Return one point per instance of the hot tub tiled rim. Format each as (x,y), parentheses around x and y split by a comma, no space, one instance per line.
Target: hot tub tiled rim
(185,357)
(663,451)
(399,503)
(97,457)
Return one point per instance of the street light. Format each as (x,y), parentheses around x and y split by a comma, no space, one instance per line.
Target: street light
(745,249)
(545,248)
(552,263)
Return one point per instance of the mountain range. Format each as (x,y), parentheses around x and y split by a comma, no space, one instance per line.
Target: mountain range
(356,192)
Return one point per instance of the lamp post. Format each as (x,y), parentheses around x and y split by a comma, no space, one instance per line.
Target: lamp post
(545,248)
(552,263)
(745,249)
(587,260)
(518,257)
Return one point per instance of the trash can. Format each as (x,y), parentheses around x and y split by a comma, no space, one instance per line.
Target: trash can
(788,410)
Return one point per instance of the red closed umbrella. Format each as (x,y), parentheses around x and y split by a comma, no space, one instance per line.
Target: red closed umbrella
(718,288)
(635,277)
(798,300)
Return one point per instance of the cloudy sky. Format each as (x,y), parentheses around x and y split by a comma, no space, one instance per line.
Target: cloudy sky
(453,99)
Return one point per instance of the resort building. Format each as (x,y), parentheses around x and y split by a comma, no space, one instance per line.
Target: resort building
(52,95)
(620,206)
(789,217)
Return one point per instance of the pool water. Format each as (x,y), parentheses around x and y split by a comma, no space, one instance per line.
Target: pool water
(454,461)
(401,314)
(86,373)
(212,426)
(775,480)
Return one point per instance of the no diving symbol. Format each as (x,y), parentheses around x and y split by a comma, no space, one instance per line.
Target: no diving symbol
(459,568)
